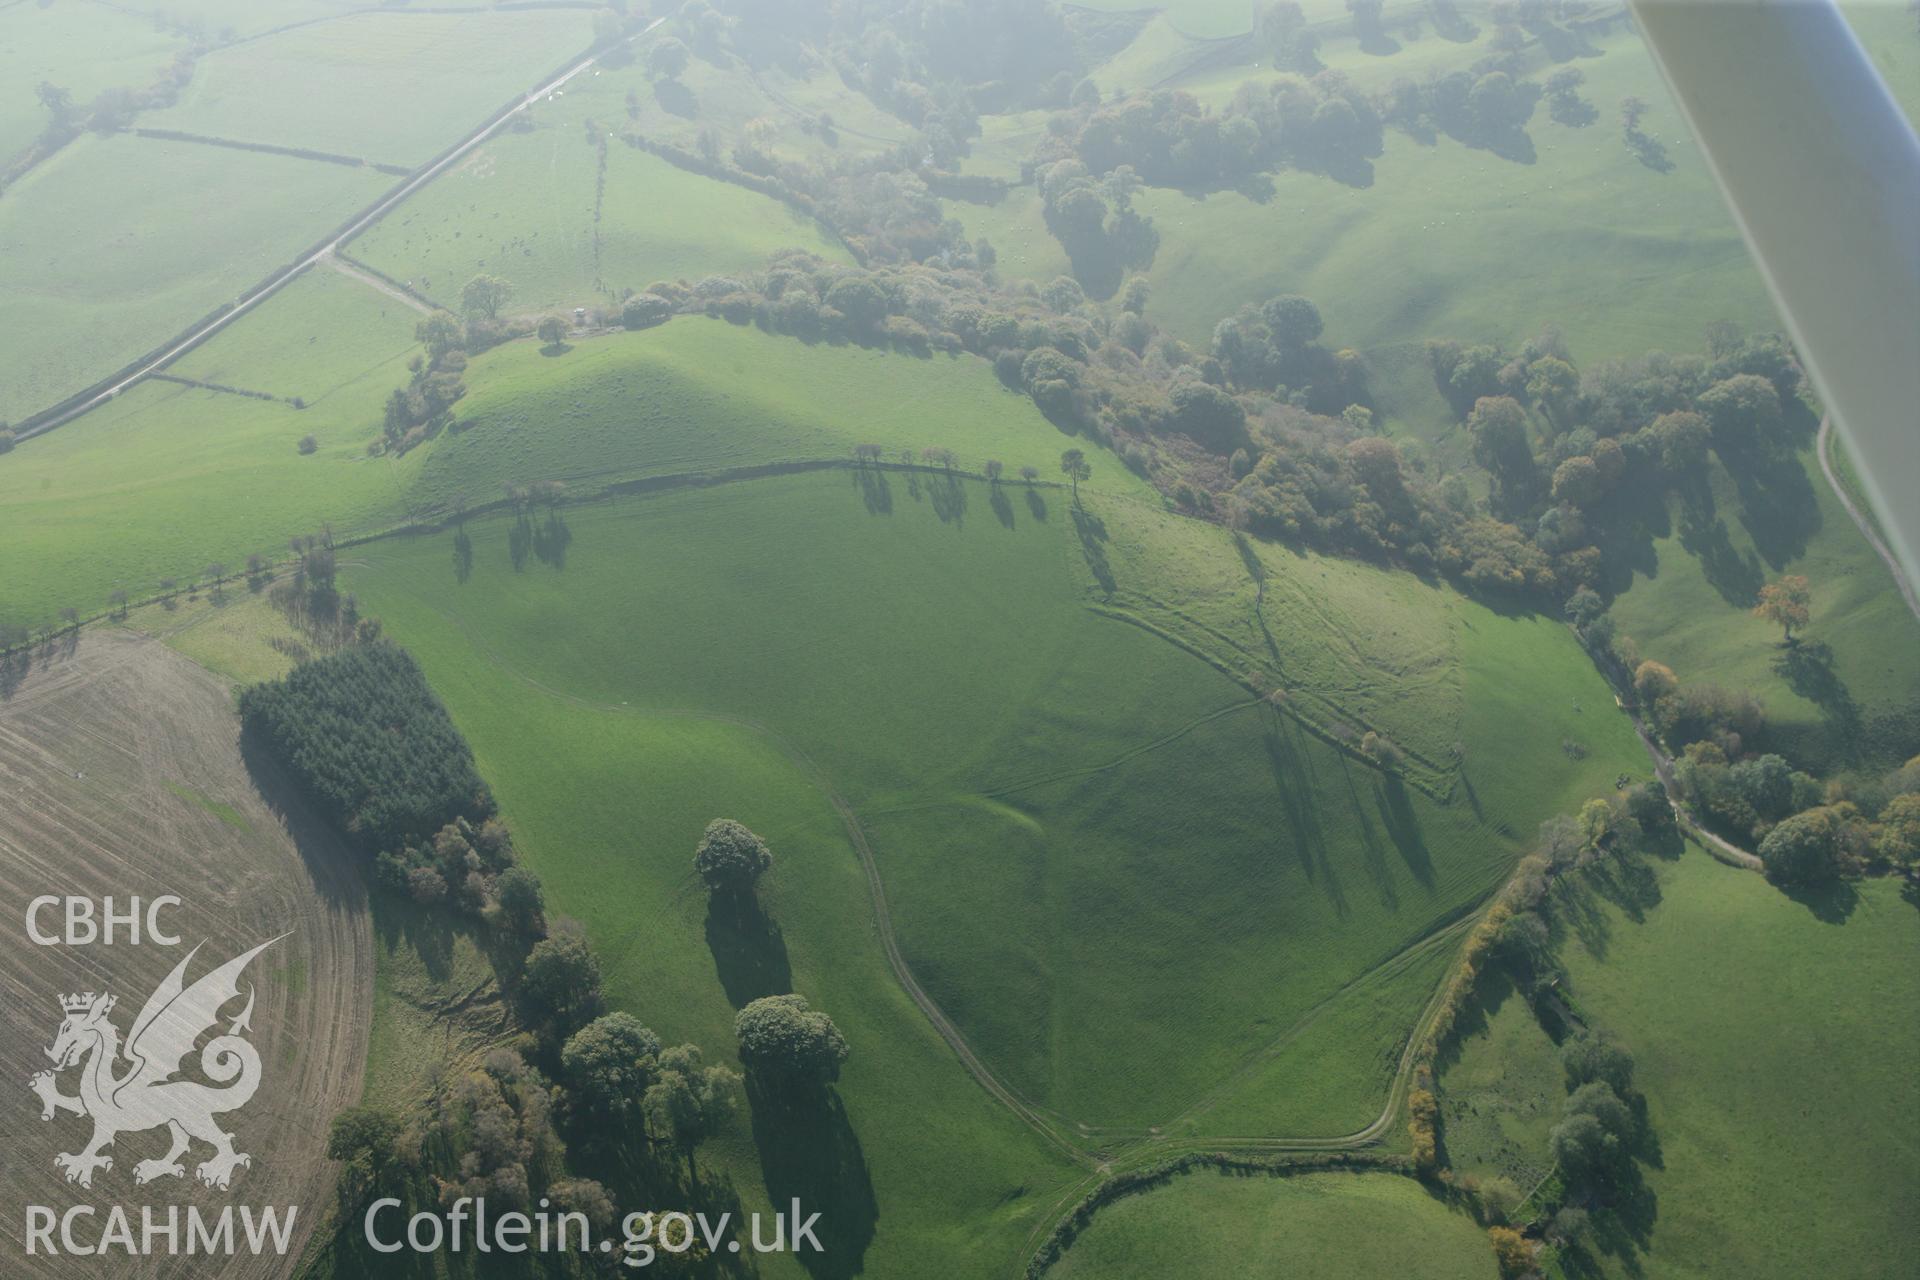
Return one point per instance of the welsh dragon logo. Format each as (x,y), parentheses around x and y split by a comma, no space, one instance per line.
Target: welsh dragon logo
(145,1095)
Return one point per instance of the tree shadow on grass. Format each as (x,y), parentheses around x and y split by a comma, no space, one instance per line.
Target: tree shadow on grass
(749,951)
(1036,505)
(1778,506)
(875,492)
(810,1153)
(336,869)
(1370,847)
(1628,882)
(1490,991)
(1093,537)
(462,556)
(1563,45)
(1577,911)
(1630,521)
(1403,828)
(1001,504)
(520,541)
(1293,782)
(1473,797)
(1830,903)
(1807,669)
(1737,576)
(949,497)
(1650,151)
(551,540)
(676,99)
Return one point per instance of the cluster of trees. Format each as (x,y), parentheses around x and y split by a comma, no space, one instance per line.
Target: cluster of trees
(622,1083)
(1731,721)
(1570,454)
(878,204)
(1486,107)
(1602,1131)
(309,597)
(470,867)
(370,744)
(934,63)
(493,1131)
(1808,834)
(1094,220)
(1805,831)
(1219,431)
(1601,1123)
(421,409)
(109,111)
(1564,102)
(1169,138)
(1274,347)
(792,1051)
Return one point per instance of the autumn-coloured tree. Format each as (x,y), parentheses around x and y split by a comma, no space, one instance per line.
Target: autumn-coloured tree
(1511,1251)
(1596,822)
(1785,602)
(1424,1111)
(1653,681)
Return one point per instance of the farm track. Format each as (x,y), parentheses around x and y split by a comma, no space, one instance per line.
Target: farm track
(120,773)
(1822,446)
(351,272)
(1136,1146)
(856,836)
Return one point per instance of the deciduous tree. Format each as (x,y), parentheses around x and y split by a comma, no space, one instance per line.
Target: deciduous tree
(689,1102)
(729,857)
(787,1044)
(1074,465)
(484,295)
(1786,602)
(609,1063)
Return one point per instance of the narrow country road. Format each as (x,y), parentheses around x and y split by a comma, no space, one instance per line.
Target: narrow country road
(1822,446)
(1725,850)
(273,284)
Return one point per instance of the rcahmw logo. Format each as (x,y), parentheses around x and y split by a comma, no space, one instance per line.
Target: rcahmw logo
(133,1085)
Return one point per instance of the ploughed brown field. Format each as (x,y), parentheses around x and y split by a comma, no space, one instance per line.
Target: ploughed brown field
(121,773)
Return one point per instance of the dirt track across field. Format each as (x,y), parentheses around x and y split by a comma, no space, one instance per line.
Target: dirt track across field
(121,773)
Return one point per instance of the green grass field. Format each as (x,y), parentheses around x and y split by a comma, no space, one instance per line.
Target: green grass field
(391,87)
(166,478)
(84,49)
(1887,29)
(971,709)
(1162,908)
(1501,1088)
(84,288)
(321,338)
(1856,701)
(1363,648)
(522,208)
(1315,1226)
(1623,259)
(1206,19)
(1775,1044)
(694,395)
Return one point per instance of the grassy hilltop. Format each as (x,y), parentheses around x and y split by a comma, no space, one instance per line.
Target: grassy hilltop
(1148,815)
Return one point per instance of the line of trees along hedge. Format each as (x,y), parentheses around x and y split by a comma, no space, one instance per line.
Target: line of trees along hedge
(371,744)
